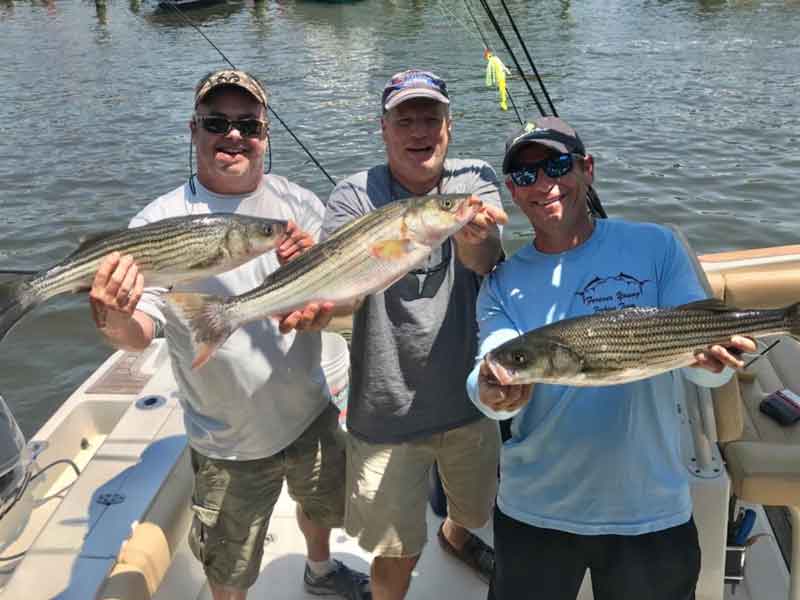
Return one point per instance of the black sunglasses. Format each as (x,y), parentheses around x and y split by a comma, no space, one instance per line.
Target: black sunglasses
(251,128)
(554,166)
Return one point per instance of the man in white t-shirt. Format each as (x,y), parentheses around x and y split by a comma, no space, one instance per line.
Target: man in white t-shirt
(259,412)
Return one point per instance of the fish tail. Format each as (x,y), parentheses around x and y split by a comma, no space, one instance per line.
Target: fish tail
(207,319)
(16,299)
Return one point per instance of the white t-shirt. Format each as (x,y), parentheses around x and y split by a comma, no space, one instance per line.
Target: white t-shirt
(261,389)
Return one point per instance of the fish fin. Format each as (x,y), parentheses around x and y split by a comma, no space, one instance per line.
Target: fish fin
(207,319)
(391,249)
(16,299)
(714,304)
(87,240)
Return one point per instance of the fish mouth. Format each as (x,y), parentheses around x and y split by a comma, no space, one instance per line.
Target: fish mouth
(501,374)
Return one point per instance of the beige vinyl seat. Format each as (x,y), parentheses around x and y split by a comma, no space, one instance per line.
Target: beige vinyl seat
(762,457)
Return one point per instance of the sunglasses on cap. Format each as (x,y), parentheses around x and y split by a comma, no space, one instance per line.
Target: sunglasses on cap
(412,79)
(251,128)
(554,166)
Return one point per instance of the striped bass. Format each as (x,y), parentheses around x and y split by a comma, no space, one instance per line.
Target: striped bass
(363,257)
(170,251)
(626,345)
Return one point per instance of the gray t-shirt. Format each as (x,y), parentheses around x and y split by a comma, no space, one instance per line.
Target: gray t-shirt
(261,389)
(413,344)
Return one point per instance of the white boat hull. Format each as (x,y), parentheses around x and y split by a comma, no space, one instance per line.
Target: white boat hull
(124,429)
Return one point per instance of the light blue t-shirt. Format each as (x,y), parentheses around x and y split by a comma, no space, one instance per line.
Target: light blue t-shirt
(594,460)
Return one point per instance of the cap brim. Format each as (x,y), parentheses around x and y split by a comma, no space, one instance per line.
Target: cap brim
(258,98)
(527,141)
(410,93)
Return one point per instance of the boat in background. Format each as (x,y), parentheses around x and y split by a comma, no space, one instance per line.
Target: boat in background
(118,529)
(188,4)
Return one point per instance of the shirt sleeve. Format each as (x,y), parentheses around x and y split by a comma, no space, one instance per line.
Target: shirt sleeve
(342,208)
(680,285)
(487,188)
(678,281)
(311,214)
(495,328)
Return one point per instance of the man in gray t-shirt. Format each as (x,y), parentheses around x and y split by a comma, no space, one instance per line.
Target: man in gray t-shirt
(413,346)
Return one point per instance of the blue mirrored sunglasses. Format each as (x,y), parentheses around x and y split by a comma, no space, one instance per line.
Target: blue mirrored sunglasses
(554,166)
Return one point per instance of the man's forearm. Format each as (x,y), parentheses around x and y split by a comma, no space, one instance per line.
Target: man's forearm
(479,258)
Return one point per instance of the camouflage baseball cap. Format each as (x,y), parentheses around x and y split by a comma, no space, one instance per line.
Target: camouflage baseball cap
(232,77)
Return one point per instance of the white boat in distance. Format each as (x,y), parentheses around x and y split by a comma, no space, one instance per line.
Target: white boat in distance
(118,530)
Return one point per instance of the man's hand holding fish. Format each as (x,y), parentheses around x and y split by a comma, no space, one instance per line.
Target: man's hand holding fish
(717,357)
(314,316)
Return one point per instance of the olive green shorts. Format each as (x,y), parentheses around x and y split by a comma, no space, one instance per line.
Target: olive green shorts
(233,500)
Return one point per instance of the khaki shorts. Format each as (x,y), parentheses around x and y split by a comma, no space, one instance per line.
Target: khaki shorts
(233,500)
(387,485)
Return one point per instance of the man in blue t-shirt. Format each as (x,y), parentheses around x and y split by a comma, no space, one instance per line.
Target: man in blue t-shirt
(591,477)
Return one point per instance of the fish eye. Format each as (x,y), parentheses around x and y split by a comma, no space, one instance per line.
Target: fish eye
(268,229)
(446,203)
(519,357)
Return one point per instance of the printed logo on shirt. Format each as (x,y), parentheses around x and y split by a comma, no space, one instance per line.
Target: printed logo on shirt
(612,293)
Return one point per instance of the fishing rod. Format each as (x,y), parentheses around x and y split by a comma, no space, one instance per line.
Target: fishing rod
(487,47)
(502,37)
(528,55)
(592,199)
(174,7)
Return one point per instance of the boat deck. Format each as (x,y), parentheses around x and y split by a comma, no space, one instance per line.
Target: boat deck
(284,559)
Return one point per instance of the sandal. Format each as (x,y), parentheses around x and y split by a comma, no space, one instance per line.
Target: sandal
(476,554)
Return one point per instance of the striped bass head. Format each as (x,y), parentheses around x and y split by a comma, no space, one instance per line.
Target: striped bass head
(533,357)
(431,219)
(247,237)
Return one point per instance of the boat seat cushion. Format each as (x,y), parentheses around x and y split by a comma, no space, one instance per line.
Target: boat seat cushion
(765,473)
(755,287)
(728,410)
(764,464)
(778,369)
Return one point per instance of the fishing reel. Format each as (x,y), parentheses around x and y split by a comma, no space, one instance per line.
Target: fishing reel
(16,467)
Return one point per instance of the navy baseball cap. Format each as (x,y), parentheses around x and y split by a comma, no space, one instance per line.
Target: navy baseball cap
(547,131)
